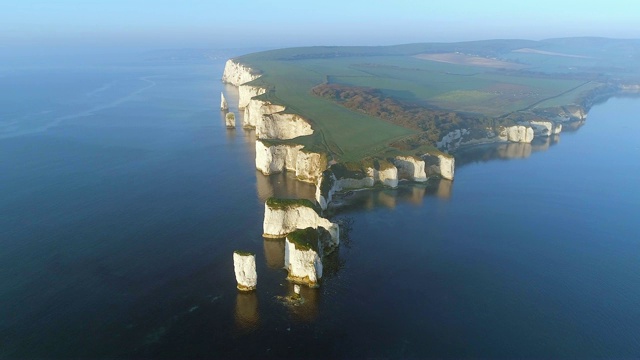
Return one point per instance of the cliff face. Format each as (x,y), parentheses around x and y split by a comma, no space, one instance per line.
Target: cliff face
(246,92)
(386,177)
(516,133)
(304,265)
(237,74)
(271,159)
(410,168)
(244,266)
(255,109)
(282,126)
(545,128)
(282,220)
(439,165)
(223,103)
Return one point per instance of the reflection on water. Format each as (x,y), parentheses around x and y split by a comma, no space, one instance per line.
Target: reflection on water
(572,126)
(274,253)
(504,151)
(247,317)
(283,185)
(412,193)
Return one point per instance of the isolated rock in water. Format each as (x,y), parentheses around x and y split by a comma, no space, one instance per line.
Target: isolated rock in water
(244,265)
(230,120)
(223,102)
(302,257)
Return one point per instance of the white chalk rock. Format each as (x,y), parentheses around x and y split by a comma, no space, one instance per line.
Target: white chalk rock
(237,74)
(246,93)
(410,168)
(440,165)
(545,128)
(275,158)
(303,262)
(326,182)
(255,109)
(223,102)
(386,174)
(282,217)
(244,266)
(282,126)
(516,133)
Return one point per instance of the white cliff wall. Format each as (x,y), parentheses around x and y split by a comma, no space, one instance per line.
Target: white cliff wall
(386,177)
(282,126)
(276,158)
(303,265)
(410,168)
(237,74)
(255,109)
(439,165)
(278,222)
(516,133)
(246,93)
(545,128)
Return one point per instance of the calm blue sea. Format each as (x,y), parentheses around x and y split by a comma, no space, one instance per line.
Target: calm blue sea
(122,197)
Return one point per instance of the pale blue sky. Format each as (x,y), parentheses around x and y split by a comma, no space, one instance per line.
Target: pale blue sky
(242,23)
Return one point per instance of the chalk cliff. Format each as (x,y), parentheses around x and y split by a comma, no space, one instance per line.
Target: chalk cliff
(244,266)
(282,126)
(282,217)
(384,172)
(274,158)
(545,128)
(238,74)
(302,257)
(516,133)
(439,165)
(255,109)
(410,168)
(246,93)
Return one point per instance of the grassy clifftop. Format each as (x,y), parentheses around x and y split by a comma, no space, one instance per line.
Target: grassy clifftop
(368,99)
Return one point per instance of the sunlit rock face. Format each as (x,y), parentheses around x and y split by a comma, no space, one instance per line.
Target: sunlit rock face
(282,126)
(386,174)
(410,168)
(223,102)
(275,158)
(325,188)
(246,93)
(439,165)
(255,109)
(244,266)
(516,133)
(303,263)
(545,128)
(280,220)
(237,74)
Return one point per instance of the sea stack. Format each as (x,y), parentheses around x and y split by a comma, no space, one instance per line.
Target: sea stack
(302,257)
(230,120)
(223,103)
(244,265)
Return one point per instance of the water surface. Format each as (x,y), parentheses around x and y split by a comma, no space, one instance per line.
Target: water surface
(123,197)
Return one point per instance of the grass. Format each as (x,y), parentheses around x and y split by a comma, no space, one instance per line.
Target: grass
(304,239)
(244,253)
(545,81)
(284,204)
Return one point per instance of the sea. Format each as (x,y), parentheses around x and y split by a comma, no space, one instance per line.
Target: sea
(123,197)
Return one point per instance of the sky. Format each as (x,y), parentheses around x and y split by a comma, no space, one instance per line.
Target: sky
(280,23)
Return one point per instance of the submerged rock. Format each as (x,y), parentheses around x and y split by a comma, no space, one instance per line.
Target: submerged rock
(244,266)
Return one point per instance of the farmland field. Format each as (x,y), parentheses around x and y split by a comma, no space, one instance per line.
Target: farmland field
(503,80)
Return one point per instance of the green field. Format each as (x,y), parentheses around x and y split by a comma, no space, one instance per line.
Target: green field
(544,74)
